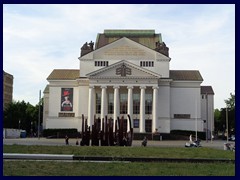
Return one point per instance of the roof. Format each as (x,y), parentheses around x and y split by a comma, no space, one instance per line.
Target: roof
(207,90)
(46,90)
(185,75)
(64,74)
(177,75)
(129,33)
(147,38)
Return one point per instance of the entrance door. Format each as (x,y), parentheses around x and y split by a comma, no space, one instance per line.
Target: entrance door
(148,125)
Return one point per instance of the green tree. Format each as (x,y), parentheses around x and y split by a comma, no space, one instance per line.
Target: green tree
(231,102)
(220,116)
(22,115)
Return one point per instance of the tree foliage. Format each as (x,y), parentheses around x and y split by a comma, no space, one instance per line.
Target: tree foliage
(22,115)
(230,102)
(220,116)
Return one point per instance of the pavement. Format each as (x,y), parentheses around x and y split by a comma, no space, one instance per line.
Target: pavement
(217,144)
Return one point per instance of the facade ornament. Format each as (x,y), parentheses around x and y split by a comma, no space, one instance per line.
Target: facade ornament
(86,48)
(162,48)
(123,70)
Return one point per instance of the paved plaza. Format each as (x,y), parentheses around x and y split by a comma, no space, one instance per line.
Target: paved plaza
(218,144)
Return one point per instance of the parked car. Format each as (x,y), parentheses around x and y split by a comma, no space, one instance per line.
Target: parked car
(231,138)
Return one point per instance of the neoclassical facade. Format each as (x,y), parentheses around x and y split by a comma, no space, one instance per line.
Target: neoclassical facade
(127,72)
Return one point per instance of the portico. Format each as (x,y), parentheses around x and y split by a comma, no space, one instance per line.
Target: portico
(123,106)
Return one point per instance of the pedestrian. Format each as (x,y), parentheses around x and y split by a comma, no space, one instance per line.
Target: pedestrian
(190,138)
(144,142)
(124,141)
(77,142)
(66,140)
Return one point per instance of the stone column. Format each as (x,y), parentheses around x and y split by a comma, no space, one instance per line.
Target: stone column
(154,108)
(142,109)
(130,104)
(91,105)
(116,105)
(103,103)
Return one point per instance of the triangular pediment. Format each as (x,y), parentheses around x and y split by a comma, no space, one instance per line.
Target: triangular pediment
(123,69)
(124,48)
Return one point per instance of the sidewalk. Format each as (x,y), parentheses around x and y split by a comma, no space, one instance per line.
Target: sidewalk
(218,144)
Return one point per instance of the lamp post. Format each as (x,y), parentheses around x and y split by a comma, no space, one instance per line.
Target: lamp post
(227,122)
(207,116)
(39,114)
(196,118)
(19,122)
(31,129)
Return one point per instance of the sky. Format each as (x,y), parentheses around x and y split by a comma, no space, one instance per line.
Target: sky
(40,38)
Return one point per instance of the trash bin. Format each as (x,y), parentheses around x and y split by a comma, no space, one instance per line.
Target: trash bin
(23,134)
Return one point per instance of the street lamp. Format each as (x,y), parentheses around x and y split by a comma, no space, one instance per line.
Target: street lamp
(39,114)
(227,122)
(207,115)
(19,122)
(31,129)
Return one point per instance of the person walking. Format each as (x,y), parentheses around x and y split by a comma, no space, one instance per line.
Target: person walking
(66,140)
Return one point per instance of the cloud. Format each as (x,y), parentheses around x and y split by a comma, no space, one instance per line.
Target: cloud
(40,38)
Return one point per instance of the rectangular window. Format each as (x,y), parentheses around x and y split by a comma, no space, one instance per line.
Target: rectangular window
(136,103)
(141,63)
(110,103)
(123,103)
(107,63)
(136,123)
(98,103)
(148,103)
(98,63)
(152,64)
(95,63)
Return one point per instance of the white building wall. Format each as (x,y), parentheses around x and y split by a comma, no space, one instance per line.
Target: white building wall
(54,101)
(186,100)
(124,49)
(207,107)
(62,122)
(163,123)
(83,100)
(45,109)
(53,121)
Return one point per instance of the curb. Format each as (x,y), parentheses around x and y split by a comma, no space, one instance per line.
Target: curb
(15,156)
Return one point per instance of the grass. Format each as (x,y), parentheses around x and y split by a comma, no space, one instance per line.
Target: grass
(161,152)
(77,168)
(50,168)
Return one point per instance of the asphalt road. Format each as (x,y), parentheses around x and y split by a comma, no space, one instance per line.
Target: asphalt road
(218,144)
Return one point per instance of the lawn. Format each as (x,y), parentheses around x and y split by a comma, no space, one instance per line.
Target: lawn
(77,168)
(160,152)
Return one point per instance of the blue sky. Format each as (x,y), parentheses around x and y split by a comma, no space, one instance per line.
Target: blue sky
(40,38)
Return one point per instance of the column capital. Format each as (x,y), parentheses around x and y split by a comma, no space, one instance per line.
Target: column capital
(142,87)
(103,87)
(155,87)
(116,87)
(130,87)
(91,86)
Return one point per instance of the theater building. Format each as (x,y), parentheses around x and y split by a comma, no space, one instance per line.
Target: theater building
(127,72)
